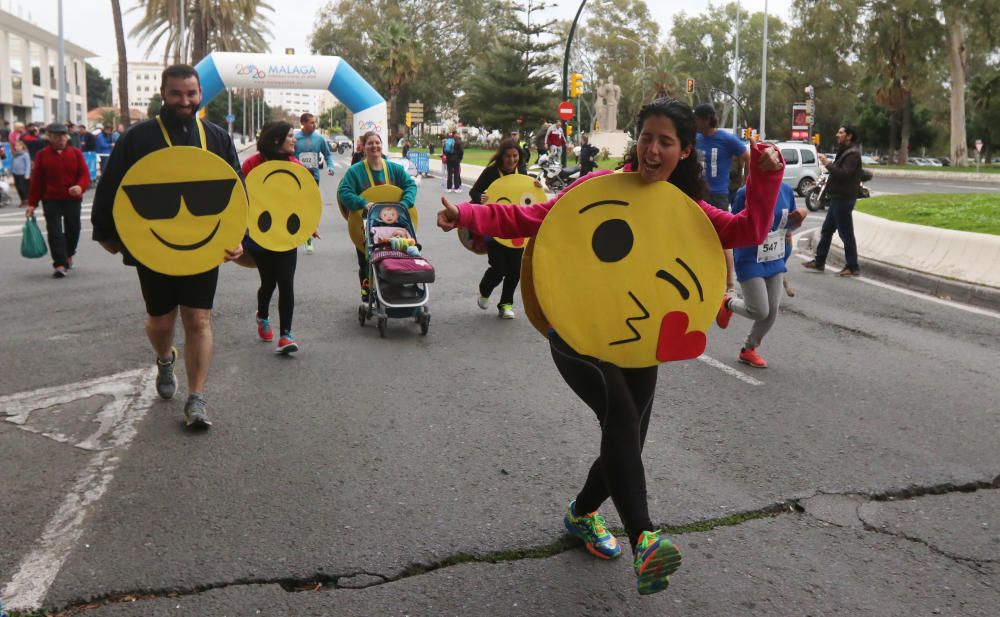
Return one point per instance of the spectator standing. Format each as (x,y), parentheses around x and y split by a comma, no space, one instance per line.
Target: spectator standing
(88,143)
(20,167)
(15,135)
(524,151)
(103,144)
(33,140)
(842,187)
(60,177)
(588,156)
(555,141)
(454,151)
(5,132)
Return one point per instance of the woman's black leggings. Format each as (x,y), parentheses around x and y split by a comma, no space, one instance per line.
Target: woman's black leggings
(622,399)
(277,269)
(505,265)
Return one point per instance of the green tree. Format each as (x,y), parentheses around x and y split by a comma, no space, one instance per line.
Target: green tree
(116,12)
(209,25)
(512,80)
(333,119)
(98,88)
(396,62)
(155,103)
(620,40)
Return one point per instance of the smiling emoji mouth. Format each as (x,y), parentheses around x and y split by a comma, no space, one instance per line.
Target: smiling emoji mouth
(187,247)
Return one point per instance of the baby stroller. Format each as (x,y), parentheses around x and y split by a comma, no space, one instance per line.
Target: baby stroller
(398,275)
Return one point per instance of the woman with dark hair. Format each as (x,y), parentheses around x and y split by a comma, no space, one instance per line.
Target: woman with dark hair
(372,170)
(276,268)
(505,262)
(622,398)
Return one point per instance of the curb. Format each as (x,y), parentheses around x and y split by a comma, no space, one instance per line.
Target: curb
(971,176)
(924,282)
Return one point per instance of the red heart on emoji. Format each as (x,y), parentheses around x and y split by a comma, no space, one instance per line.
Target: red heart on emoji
(675,342)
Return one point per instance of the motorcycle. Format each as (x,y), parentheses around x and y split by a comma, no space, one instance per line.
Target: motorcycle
(817,199)
(552,175)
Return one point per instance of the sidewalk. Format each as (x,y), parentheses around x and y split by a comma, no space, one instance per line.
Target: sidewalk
(950,264)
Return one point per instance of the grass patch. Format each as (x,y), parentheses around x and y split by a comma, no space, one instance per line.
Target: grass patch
(978,212)
(985,169)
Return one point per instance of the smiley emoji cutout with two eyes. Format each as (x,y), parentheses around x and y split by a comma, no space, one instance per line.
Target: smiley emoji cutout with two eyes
(178,209)
(514,189)
(629,272)
(285,205)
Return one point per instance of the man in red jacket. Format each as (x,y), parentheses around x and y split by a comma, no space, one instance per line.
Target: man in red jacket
(59,176)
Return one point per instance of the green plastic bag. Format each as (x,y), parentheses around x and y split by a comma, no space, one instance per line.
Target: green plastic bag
(32,242)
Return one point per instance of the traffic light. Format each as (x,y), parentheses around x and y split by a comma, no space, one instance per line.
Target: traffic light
(409,119)
(575,85)
(569,130)
(690,86)
(747,133)
(815,139)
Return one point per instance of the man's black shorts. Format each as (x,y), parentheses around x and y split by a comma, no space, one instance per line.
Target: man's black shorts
(163,293)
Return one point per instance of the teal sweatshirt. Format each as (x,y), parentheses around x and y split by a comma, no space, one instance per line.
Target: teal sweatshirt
(355,182)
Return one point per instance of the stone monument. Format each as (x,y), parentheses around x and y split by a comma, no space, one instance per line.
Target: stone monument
(607,136)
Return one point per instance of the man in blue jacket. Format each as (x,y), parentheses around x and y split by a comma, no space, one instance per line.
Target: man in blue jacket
(311,150)
(104,143)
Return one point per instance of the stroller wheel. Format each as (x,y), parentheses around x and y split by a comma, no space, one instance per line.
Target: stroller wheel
(362,314)
(381,326)
(425,323)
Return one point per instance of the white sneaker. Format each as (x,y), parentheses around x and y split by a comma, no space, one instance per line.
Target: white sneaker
(309,247)
(506,311)
(483,302)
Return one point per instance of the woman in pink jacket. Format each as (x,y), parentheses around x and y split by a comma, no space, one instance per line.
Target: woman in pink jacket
(622,398)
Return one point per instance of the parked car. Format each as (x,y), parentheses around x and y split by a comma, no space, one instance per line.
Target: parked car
(945,161)
(869,160)
(918,160)
(801,165)
(340,143)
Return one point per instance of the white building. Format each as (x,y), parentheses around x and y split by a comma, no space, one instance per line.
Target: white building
(29,61)
(296,102)
(143,83)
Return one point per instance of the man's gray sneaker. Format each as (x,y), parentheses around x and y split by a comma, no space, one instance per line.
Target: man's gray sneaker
(166,383)
(196,412)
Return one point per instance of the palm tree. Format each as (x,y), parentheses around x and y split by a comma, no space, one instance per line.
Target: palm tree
(116,10)
(210,25)
(395,59)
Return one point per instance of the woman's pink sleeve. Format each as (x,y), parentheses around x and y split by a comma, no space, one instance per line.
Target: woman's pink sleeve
(750,226)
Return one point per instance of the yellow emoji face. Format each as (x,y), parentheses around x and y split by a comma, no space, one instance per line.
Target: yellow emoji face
(514,189)
(178,209)
(285,205)
(629,272)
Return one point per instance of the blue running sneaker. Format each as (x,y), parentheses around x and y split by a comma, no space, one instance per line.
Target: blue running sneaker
(590,528)
(656,558)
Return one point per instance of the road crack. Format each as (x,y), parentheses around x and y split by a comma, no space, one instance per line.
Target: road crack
(362,579)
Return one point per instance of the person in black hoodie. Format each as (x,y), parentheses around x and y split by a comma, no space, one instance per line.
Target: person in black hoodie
(842,187)
(505,263)
(167,296)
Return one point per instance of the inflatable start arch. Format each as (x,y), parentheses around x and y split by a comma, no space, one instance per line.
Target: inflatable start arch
(220,70)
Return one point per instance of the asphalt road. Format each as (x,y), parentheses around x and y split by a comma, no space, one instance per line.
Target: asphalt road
(429,475)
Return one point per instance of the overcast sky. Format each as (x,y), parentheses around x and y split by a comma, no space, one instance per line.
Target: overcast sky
(88,23)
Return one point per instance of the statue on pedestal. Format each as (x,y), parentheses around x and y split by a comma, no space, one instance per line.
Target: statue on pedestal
(608,95)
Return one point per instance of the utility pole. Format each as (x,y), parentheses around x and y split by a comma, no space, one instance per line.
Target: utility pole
(763,78)
(62,111)
(736,71)
(180,41)
(565,81)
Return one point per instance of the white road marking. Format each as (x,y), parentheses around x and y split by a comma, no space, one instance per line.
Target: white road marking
(923,296)
(725,368)
(133,394)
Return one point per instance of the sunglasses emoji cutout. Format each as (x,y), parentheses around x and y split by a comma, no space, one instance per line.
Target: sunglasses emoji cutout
(627,272)
(178,209)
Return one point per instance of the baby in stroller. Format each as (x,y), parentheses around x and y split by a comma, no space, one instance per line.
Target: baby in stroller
(399,273)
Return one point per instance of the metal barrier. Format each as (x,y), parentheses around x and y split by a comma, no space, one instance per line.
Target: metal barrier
(422,161)
(91,159)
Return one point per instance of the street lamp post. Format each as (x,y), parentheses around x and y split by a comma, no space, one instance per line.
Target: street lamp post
(61,112)
(736,69)
(763,76)
(565,88)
